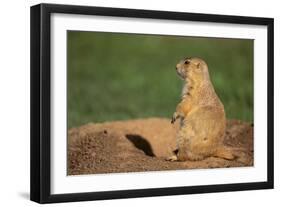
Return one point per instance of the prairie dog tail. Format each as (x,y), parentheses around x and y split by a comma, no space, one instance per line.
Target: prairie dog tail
(231,153)
(225,153)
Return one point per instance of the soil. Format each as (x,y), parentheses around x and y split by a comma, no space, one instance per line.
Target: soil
(143,145)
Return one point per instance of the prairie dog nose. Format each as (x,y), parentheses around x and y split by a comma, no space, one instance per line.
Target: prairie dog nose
(177,66)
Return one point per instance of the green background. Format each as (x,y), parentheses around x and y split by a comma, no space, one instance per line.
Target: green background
(113,76)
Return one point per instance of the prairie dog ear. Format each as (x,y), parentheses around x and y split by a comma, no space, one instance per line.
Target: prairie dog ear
(198,65)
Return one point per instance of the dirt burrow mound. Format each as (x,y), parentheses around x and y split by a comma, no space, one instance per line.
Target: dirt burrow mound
(143,144)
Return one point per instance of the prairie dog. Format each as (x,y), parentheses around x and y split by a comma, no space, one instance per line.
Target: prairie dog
(201,114)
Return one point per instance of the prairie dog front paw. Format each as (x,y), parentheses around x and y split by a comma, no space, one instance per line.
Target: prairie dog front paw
(174,117)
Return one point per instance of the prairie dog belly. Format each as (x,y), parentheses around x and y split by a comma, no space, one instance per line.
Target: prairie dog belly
(202,130)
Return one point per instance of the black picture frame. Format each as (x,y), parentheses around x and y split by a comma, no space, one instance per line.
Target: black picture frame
(41,97)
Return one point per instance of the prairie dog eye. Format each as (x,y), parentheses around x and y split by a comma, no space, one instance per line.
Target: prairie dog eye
(186,62)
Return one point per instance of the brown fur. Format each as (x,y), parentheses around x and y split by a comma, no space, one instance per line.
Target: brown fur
(201,113)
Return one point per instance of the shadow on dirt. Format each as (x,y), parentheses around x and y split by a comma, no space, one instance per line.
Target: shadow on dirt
(141,143)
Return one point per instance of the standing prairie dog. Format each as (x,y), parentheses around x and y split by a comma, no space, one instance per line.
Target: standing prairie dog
(201,113)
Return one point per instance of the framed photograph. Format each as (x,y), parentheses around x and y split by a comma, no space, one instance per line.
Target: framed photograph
(132,103)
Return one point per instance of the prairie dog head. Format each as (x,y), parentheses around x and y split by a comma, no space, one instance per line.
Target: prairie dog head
(192,69)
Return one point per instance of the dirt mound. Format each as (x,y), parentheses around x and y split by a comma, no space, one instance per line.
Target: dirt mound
(142,145)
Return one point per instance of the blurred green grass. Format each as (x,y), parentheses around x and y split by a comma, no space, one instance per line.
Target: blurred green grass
(114,76)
